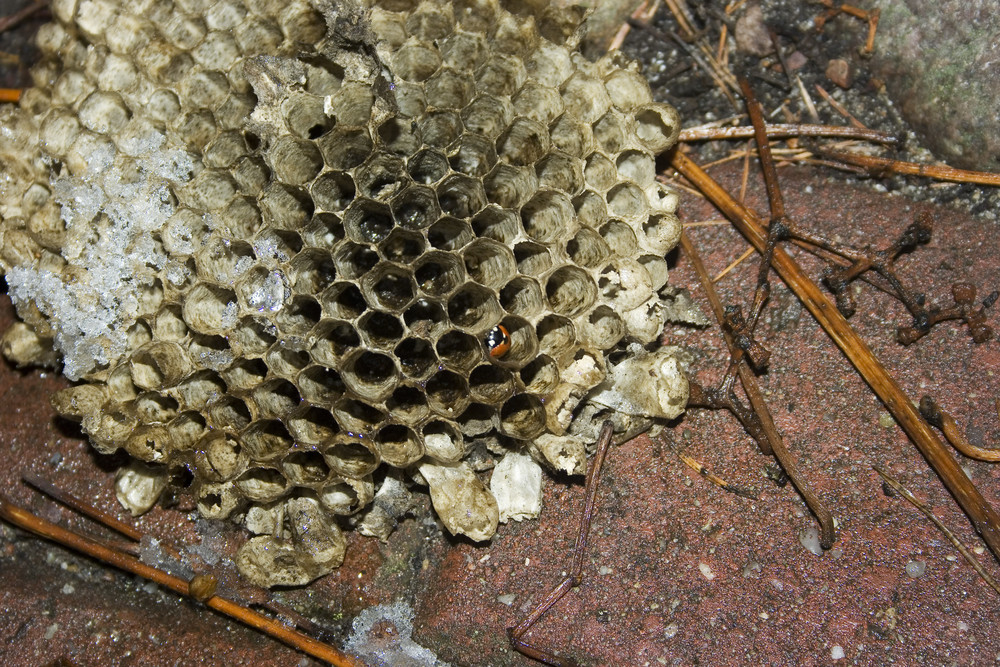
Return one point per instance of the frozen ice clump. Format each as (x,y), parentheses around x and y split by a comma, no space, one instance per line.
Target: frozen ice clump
(389,649)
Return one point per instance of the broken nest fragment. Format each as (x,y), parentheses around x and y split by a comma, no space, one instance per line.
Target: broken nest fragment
(319,253)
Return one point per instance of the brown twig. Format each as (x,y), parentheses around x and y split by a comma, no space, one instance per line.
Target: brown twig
(8,22)
(22,518)
(12,95)
(82,507)
(936,416)
(878,166)
(962,549)
(980,512)
(839,108)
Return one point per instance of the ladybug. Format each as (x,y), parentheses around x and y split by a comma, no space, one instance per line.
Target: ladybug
(498,341)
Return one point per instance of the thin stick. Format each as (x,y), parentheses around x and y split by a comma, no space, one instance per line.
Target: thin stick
(700,468)
(8,22)
(22,518)
(839,107)
(962,549)
(783,130)
(980,512)
(516,633)
(732,265)
(82,507)
(12,95)
(881,165)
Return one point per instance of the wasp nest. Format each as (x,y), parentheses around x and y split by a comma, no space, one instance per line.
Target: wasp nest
(310,250)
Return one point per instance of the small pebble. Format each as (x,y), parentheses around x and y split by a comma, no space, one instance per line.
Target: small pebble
(706,571)
(915,569)
(809,538)
(839,71)
(837,652)
(68,589)
(963,626)
(885,420)
(51,631)
(671,631)
(507,599)
(604,569)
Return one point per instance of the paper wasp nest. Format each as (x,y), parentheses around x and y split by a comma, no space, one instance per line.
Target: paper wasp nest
(287,247)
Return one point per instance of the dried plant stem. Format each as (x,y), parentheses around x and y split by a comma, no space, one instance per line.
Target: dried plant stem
(22,518)
(962,549)
(980,512)
(83,508)
(934,414)
(782,130)
(756,398)
(12,95)
(880,165)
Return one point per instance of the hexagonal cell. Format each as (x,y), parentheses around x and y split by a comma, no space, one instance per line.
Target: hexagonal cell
(203,89)
(416,357)
(345,147)
(591,209)
(538,102)
(195,129)
(627,201)
(415,208)
(402,246)
(266,440)
(367,221)
(556,335)
(104,113)
(524,142)
(305,117)
(229,413)
(186,430)
(311,271)
(474,308)
(459,351)
(262,485)
(244,374)
(251,337)
(333,339)
(510,186)
(603,328)
(611,132)
(312,425)
(461,196)
(223,260)
(487,115)
(588,249)
(548,216)
(620,238)
(410,99)
(472,154)
(276,398)
(168,325)
(305,468)
(489,263)
(522,296)
(295,161)
(624,284)
(427,166)
(345,497)
(285,207)
(299,316)
(407,404)
(627,89)
(399,135)
(217,501)
(656,267)
(464,50)
(447,393)
(560,171)
(638,167)
(443,442)
(152,407)
(541,375)
(286,361)
(351,455)
(220,457)
(324,231)
(501,76)
(381,177)
(388,286)
(532,259)
(199,389)
(449,234)
(370,375)
(438,273)
(250,174)
(522,417)
(352,261)
(440,127)
(225,150)
(137,335)
(415,62)
(323,76)
(234,110)
(491,384)
(159,365)
(398,445)
(425,318)
(276,245)
(523,343)
(657,126)
(600,172)
(662,233)
(301,23)
(320,385)
(343,300)
(449,89)
(352,104)
(571,136)
(380,329)
(210,352)
(477,420)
